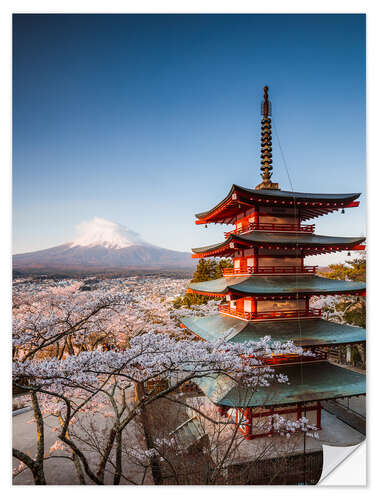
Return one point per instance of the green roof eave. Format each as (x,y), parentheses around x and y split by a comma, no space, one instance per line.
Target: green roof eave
(259,237)
(306,333)
(298,238)
(278,285)
(316,381)
(220,286)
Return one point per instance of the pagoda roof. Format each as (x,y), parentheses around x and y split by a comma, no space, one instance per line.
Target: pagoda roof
(311,205)
(315,381)
(311,243)
(265,286)
(308,333)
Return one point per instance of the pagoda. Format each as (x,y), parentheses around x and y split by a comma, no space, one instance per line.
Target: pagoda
(267,292)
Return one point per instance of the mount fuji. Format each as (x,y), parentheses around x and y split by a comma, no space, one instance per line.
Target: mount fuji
(103,244)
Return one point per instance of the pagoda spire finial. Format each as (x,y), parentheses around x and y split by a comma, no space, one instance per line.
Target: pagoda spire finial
(266,145)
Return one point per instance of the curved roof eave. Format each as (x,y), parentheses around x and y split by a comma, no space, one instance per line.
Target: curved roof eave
(278,285)
(282,238)
(287,195)
(207,212)
(315,332)
(316,381)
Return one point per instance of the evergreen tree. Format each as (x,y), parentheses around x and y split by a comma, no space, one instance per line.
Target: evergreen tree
(354,270)
(207,270)
(220,265)
(352,309)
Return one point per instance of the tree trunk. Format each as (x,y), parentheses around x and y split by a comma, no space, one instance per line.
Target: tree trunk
(145,422)
(117,476)
(78,468)
(38,470)
(107,450)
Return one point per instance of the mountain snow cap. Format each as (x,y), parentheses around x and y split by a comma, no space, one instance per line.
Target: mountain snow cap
(102,232)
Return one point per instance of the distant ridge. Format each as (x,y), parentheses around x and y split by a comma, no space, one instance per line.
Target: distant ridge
(103,244)
(323,269)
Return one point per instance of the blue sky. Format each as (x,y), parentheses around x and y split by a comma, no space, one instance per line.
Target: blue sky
(148,119)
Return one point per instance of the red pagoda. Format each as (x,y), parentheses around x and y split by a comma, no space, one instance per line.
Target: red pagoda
(268,292)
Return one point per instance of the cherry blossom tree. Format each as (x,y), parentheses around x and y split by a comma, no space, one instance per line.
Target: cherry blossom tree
(100,362)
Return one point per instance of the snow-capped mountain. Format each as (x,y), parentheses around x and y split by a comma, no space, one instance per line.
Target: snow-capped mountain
(103,244)
(105,233)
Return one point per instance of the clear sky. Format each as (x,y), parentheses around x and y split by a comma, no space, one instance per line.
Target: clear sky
(148,119)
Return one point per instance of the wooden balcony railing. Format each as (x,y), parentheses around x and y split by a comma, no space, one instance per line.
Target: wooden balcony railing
(253,226)
(232,271)
(279,359)
(267,315)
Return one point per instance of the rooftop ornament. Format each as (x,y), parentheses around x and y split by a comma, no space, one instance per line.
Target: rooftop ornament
(266,145)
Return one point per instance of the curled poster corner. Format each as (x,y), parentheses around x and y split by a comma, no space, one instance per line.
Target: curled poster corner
(344,466)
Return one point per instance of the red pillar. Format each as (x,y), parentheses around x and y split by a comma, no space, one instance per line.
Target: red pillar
(319,416)
(256,216)
(250,419)
(256,259)
(248,415)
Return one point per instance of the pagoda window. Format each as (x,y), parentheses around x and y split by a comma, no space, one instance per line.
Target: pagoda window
(263,252)
(278,215)
(280,219)
(281,305)
(279,261)
(277,211)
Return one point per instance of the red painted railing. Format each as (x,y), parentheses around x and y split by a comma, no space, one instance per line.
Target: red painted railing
(228,271)
(295,313)
(279,359)
(253,226)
